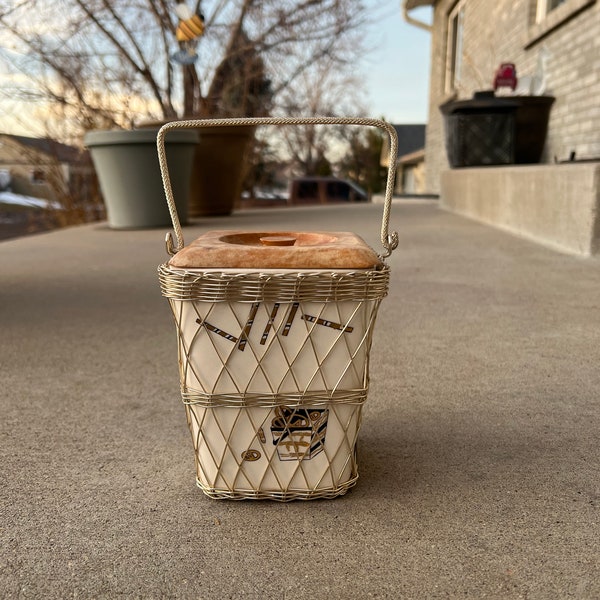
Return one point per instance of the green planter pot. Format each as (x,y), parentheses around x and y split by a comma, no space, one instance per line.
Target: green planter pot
(126,162)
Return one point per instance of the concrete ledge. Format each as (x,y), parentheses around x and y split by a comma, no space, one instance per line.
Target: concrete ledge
(556,205)
(407,199)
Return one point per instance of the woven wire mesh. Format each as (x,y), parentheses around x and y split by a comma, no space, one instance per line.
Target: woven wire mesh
(274,372)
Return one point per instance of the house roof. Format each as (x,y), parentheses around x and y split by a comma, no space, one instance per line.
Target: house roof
(62,152)
(410,138)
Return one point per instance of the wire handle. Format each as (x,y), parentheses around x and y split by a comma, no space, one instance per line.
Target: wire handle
(388,240)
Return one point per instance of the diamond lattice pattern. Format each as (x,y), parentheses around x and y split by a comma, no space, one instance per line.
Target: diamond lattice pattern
(271,352)
(243,348)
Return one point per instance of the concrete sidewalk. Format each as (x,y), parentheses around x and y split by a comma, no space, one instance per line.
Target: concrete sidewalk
(479,451)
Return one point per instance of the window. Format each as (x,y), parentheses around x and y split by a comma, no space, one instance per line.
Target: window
(454,48)
(38,176)
(550,15)
(545,6)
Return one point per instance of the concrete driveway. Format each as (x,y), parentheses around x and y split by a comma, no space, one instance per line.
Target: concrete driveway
(479,452)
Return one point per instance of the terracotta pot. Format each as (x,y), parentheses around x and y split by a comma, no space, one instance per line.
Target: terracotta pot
(216,184)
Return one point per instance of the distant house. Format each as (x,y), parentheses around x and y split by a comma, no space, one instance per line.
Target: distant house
(554,45)
(45,168)
(410,160)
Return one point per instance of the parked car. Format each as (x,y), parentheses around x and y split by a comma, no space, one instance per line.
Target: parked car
(320,190)
(264,198)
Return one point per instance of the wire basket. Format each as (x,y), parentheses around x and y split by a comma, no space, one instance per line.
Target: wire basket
(274,363)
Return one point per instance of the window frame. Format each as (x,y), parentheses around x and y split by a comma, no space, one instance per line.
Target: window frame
(545,7)
(455,25)
(545,21)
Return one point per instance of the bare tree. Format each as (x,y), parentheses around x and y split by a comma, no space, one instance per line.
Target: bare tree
(108,62)
(362,160)
(324,88)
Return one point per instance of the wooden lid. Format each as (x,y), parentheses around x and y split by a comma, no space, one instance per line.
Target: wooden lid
(276,250)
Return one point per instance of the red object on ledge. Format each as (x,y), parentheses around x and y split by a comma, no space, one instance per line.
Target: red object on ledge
(506,76)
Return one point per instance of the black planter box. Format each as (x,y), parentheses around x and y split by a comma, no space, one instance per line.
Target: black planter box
(487,130)
(479,139)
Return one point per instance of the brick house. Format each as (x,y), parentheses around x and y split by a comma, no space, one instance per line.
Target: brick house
(555,44)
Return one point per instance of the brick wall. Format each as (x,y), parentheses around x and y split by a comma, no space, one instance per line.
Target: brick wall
(498,31)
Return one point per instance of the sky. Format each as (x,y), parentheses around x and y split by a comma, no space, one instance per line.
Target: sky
(397,69)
